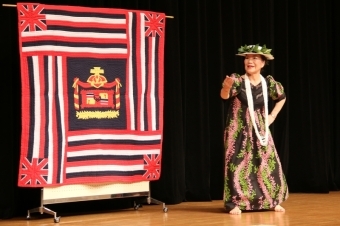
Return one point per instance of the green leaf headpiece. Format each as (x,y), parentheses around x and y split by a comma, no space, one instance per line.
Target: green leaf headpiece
(255,49)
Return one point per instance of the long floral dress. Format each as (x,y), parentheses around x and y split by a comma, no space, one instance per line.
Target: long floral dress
(253,174)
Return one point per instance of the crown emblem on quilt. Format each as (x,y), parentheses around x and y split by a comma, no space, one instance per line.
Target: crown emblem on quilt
(97,93)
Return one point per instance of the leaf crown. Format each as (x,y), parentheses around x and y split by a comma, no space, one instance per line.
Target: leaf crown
(254,49)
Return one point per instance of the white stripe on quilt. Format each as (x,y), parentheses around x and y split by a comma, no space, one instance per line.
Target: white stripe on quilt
(95,152)
(142,65)
(152,94)
(85,19)
(50,121)
(131,94)
(97,168)
(61,33)
(74,49)
(62,116)
(113,137)
(37,107)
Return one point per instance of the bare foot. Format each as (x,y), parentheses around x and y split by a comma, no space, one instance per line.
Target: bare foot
(235,211)
(279,208)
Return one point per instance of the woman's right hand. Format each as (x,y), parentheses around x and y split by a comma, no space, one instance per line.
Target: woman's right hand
(227,82)
(226,86)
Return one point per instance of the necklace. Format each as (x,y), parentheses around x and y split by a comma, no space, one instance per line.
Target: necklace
(263,139)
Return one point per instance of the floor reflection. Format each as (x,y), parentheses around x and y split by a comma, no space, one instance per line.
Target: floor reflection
(269,218)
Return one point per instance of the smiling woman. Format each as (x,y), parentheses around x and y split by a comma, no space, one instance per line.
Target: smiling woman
(253,64)
(254,179)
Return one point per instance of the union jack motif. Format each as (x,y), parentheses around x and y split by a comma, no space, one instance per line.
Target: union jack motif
(152,165)
(154,24)
(30,18)
(34,172)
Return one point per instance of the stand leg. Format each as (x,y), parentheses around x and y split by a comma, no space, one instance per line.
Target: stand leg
(155,201)
(150,200)
(42,209)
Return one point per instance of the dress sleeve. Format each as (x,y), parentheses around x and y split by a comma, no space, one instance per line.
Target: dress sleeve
(275,89)
(236,87)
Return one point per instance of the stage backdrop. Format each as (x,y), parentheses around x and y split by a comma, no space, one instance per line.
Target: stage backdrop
(92,94)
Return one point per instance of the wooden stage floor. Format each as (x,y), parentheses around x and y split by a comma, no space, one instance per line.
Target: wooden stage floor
(301,209)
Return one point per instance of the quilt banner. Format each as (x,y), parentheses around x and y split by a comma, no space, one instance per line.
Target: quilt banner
(92,94)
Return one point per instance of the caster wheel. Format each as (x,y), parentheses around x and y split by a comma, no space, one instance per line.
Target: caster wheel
(136,207)
(165,210)
(57,220)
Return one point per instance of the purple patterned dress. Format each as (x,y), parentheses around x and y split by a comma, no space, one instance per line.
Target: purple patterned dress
(253,174)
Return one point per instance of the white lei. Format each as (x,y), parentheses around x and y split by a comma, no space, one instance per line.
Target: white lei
(263,139)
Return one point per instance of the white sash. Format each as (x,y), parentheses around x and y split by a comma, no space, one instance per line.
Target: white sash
(263,139)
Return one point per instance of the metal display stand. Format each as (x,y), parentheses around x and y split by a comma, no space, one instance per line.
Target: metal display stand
(86,192)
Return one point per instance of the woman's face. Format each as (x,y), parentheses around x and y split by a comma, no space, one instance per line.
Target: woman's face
(253,63)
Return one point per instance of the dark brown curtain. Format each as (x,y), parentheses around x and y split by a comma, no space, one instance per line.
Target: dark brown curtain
(201,42)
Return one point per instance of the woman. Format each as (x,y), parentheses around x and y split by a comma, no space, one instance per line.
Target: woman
(253,174)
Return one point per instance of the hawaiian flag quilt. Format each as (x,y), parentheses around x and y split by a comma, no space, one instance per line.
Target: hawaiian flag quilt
(92,94)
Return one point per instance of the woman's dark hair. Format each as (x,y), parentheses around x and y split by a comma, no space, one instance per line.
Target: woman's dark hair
(265,63)
(264,59)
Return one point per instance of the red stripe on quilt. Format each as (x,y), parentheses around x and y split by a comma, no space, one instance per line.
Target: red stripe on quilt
(25,107)
(105,179)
